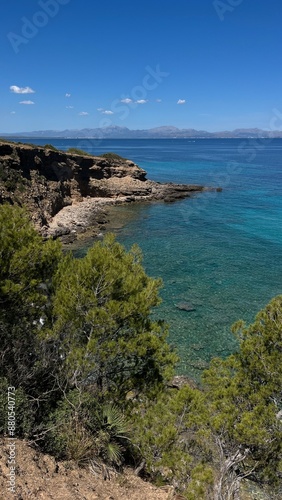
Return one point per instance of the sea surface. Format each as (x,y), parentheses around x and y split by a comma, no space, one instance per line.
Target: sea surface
(219,252)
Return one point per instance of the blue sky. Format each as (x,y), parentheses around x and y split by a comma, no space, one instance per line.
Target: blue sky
(204,64)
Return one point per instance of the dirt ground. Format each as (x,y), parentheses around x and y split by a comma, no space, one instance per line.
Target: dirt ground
(39,476)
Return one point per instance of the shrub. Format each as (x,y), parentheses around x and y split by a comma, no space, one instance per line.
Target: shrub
(76,151)
(82,428)
(50,146)
(112,156)
(24,410)
(101,308)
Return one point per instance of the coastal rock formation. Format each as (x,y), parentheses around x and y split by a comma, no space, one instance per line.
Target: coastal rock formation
(47,180)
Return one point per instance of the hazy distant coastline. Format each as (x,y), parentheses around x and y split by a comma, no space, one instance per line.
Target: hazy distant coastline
(165,132)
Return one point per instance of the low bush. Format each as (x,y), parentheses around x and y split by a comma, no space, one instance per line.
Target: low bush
(112,156)
(76,151)
(50,146)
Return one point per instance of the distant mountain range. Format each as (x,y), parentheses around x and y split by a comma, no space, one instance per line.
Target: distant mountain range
(166,132)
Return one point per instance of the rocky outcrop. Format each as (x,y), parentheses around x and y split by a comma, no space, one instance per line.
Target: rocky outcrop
(46,181)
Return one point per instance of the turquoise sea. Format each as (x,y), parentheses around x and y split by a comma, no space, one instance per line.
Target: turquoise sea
(220,252)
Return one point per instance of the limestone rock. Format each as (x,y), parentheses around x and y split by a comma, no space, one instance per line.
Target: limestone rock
(47,181)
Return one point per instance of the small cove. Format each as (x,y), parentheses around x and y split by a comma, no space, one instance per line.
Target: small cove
(218,252)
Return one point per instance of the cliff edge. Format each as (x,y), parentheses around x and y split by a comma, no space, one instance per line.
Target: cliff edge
(47,181)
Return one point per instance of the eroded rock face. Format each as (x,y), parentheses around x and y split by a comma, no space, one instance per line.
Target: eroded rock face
(46,181)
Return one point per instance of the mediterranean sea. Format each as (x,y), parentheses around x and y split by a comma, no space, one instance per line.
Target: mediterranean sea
(220,253)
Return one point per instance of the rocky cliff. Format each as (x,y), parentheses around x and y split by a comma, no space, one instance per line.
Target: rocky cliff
(46,180)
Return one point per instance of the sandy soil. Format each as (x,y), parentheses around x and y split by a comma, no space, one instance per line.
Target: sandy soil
(39,476)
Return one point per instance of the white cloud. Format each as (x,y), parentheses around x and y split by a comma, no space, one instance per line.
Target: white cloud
(83,113)
(69,107)
(21,90)
(26,102)
(158,100)
(141,101)
(68,95)
(13,112)
(181,101)
(126,100)
(105,111)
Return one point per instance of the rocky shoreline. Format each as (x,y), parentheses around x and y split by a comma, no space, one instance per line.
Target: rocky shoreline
(67,194)
(88,217)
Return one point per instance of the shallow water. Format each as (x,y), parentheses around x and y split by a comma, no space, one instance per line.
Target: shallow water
(219,252)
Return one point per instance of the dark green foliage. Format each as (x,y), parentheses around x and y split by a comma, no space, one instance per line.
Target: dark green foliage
(112,156)
(12,179)
(102,305)
(158,426)
(171,433)
(244,395)
(112,433)
(50,146)
(81,429)
(24,414)
(68,438)
(76,151)
(26,268)
(27,361)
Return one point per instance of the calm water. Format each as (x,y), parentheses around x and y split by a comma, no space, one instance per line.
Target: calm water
(220,252)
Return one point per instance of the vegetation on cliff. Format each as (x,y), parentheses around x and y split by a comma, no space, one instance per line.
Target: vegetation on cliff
(112,156)
(92,369)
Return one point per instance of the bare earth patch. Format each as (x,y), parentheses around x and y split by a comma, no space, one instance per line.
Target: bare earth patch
(40,476)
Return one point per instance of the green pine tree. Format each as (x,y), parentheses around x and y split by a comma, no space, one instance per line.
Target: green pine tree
(101,310)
